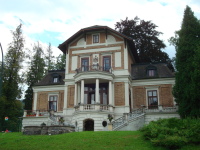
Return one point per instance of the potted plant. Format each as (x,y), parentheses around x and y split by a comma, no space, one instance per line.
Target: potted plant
(61,120)
(110,117)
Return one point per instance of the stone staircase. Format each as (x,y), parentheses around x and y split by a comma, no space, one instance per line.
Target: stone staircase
(130,121)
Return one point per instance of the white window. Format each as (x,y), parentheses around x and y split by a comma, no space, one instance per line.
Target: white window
(152,97)
(55,79)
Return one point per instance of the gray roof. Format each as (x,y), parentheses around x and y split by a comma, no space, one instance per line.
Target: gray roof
(139,71)
(47,80)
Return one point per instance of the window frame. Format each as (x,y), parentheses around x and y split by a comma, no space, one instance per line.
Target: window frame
(152,106)
(95,34)
(103,57)
(54,79)
(152,88)
(53,95)
(82,63)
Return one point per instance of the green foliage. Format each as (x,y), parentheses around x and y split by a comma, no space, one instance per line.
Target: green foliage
(60,64)
(187,42)
(49,59)
(34,75)
(11,90)
(172,132)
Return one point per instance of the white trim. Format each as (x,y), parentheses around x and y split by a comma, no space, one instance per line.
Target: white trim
(97,44)
(150,87)
(155,88)
(97,50)
(131,98)
(157,81)
(75,39)
(48,88)
(126,57)
(35,101)
(67,62)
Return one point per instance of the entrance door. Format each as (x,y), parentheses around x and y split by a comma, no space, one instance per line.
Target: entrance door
(88,125)
(106,63)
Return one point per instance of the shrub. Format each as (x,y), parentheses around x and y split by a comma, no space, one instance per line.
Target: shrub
(172,132)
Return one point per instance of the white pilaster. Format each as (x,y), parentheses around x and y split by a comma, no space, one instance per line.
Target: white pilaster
(82,91)
(97,91)
(79,92)
(75,95)
(35,101)
(65,101)
(126,97)
(67,62)
(110,93)
(131,97)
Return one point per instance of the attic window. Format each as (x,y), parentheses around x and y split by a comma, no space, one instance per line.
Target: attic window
(151,71)
(55,79)
(96,38)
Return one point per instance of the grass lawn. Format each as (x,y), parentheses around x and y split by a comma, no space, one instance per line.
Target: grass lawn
(81,140)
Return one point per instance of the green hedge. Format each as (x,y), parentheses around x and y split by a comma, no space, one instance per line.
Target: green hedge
(173,132)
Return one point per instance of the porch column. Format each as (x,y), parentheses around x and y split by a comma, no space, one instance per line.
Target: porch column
(35,101)
(75,95)
(79,92)
(97,91)
(110,96)
(82,91)
(127,109)
(82,95)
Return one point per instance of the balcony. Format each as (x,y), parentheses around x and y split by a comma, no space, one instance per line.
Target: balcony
(93,107)
(160,109)
(93,68)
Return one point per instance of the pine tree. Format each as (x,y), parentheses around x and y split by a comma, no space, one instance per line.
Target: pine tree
(12,79)
(186,89)
(49,58)
(61,60)
(34,75)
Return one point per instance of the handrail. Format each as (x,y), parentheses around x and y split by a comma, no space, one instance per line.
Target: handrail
(94,67)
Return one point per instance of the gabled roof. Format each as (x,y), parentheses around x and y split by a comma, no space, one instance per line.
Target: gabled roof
(63,47)
(139,71)
(47,80)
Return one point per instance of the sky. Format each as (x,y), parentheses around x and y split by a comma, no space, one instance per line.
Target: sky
(54,21)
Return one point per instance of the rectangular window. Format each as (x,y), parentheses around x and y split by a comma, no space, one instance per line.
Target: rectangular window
(53,102)
(106,63)
(55,80)
(85,64)
(151,73)
(152,99)
(95,38)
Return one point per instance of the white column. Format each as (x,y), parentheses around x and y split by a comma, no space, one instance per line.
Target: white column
(75,95)
(110,96)
(79,92)
(110,93)
(126,98)
(97,91)
(35,101)
(65,101)
(82,91)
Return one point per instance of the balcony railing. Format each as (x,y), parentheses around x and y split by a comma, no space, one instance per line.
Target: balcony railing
(36,113)
(161,108)
(92,68)
(93,107)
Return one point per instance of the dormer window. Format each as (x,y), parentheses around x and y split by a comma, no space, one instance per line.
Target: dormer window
(55,79)
(96,38)
(151,71)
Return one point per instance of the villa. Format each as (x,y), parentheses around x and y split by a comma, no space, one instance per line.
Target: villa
(103,75)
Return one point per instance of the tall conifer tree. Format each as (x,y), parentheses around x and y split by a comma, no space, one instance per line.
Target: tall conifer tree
(12,79)
(34,75)
(187,42)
